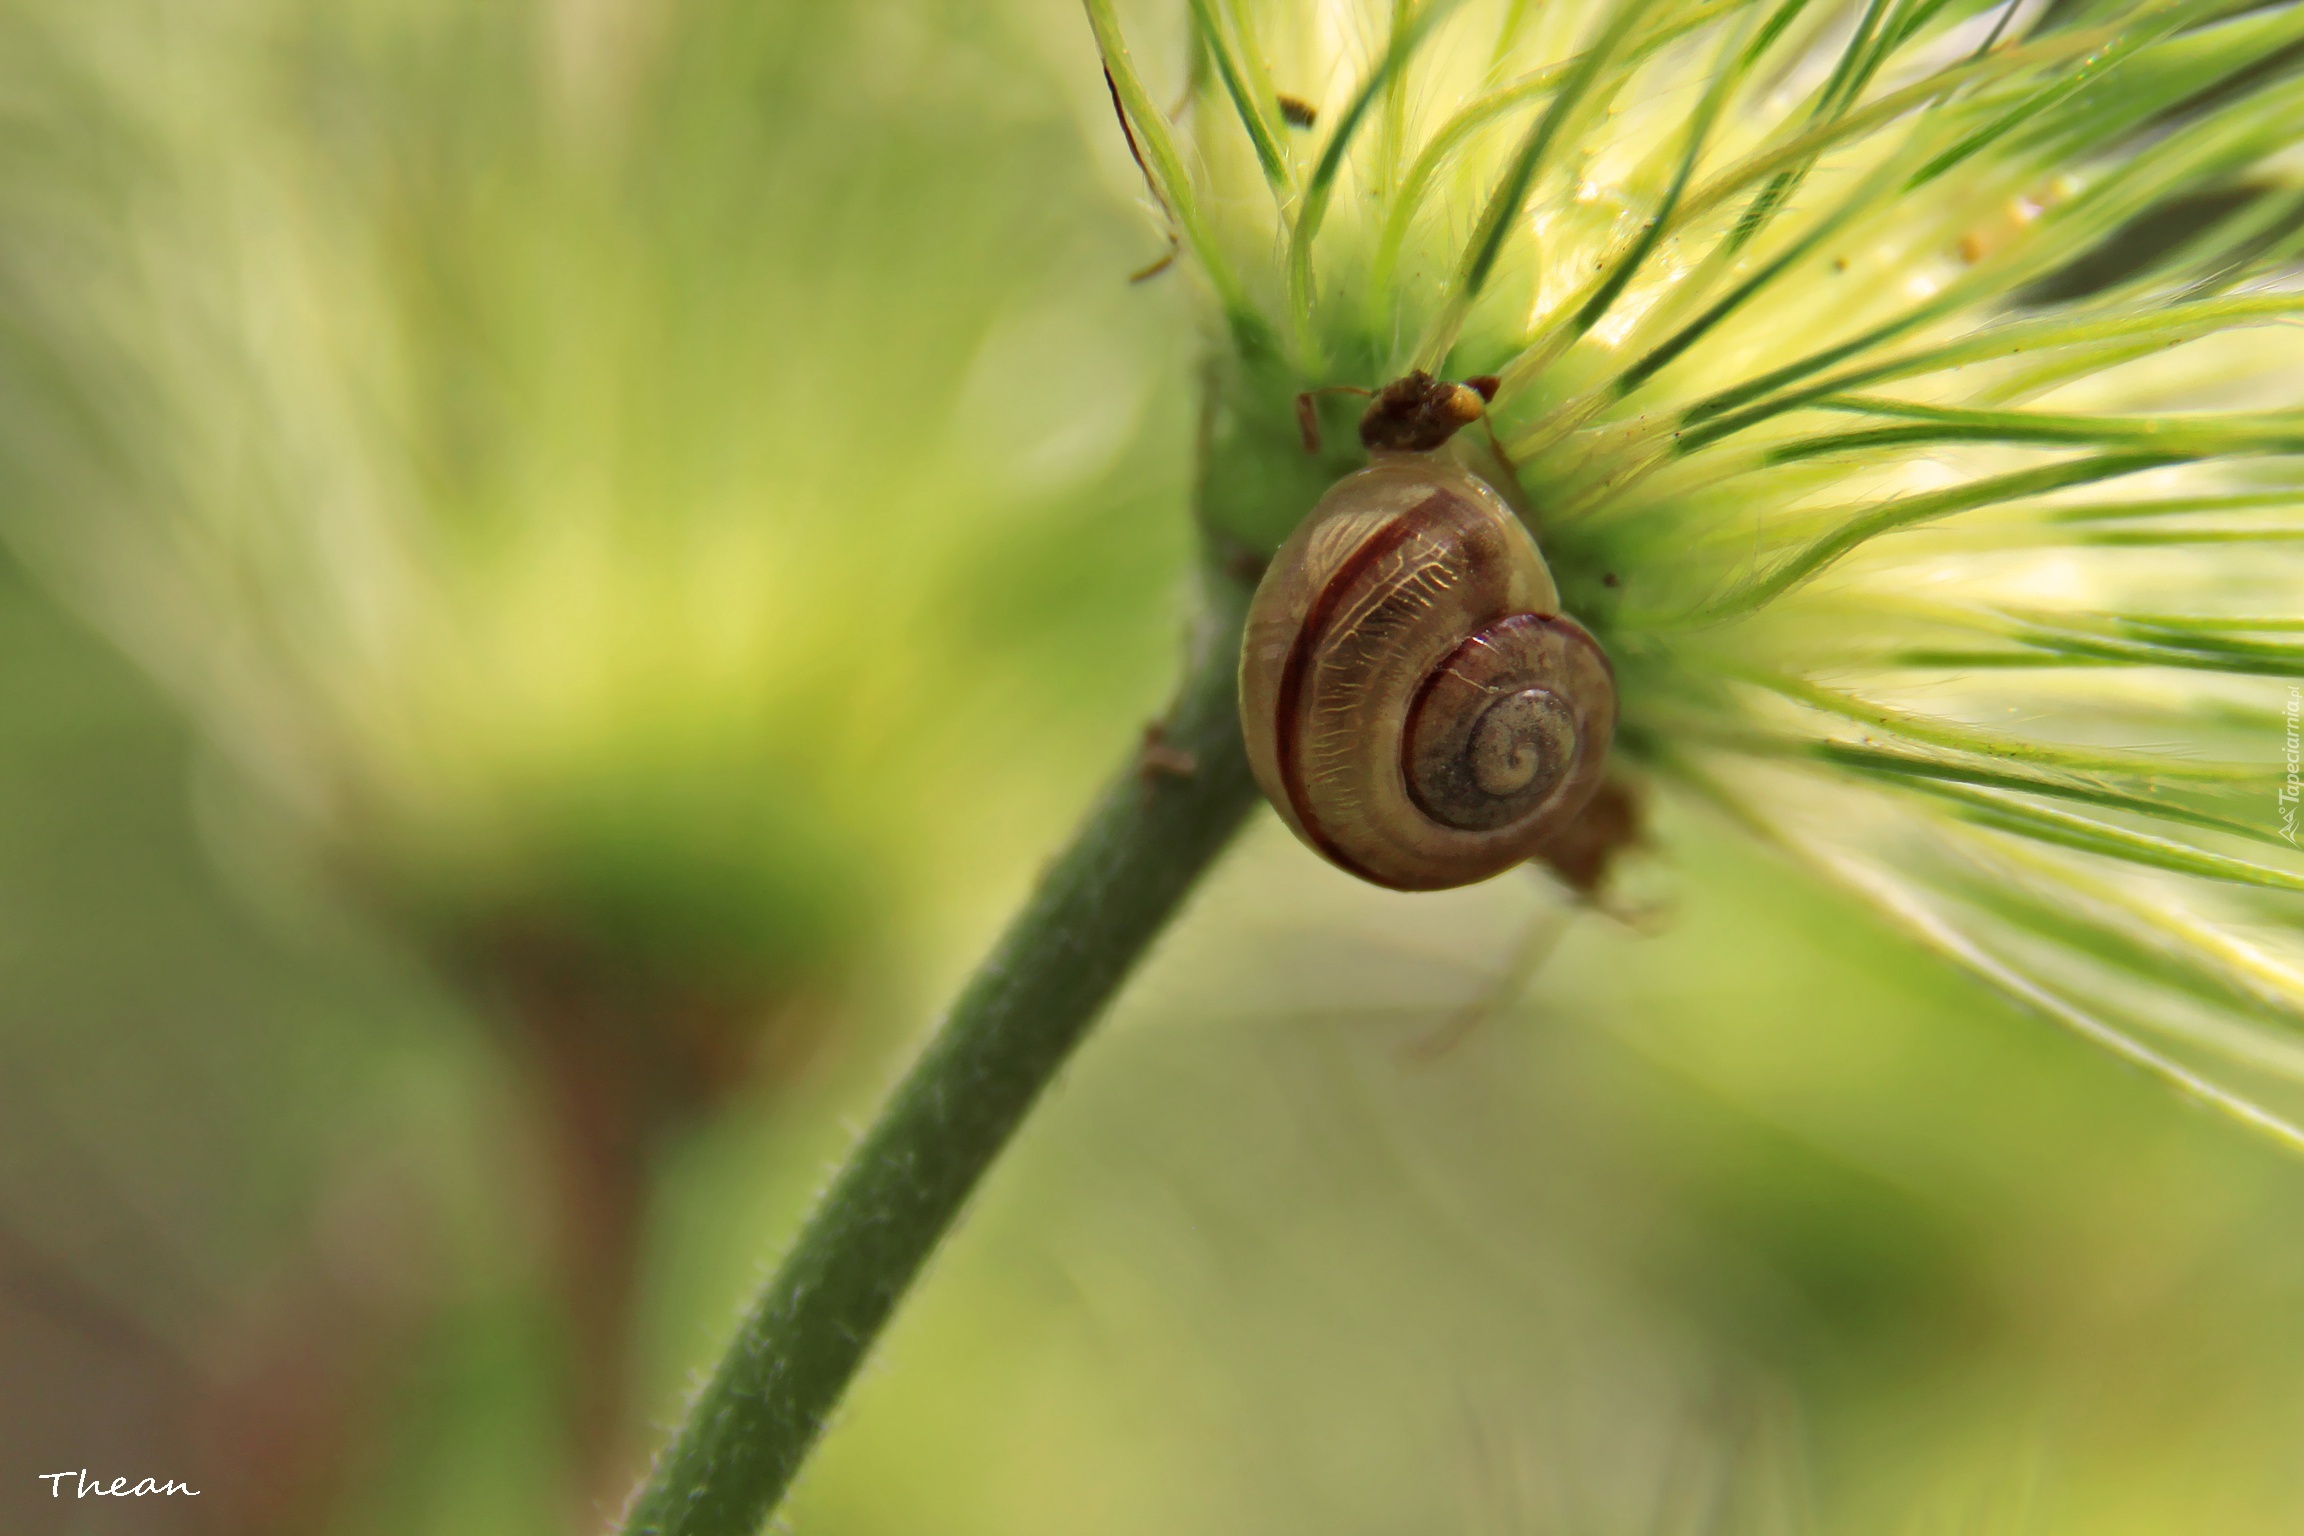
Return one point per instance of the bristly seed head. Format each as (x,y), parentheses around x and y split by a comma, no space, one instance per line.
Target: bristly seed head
(1907,394)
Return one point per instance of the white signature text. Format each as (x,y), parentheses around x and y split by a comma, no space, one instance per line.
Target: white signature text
(121,1488)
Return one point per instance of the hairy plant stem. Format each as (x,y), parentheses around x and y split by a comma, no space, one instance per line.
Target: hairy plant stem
(1170,810)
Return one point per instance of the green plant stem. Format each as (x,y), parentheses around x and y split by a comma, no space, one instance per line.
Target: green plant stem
(1158,826)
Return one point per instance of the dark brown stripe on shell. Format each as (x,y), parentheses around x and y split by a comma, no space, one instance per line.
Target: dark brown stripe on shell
(1288,706)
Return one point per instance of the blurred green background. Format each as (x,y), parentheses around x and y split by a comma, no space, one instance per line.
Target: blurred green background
(569,560)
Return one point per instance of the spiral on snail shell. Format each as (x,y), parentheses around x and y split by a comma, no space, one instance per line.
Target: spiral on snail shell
(1416,706)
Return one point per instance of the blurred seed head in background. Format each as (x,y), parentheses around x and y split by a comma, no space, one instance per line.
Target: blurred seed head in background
(574,462)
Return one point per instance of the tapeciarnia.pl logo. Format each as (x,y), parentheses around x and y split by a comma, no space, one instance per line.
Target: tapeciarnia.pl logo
(2293,757)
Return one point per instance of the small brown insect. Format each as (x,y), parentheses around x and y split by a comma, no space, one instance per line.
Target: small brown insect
(1298,112)
(1415,413)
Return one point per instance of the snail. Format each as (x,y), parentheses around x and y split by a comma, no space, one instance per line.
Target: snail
(1416,706)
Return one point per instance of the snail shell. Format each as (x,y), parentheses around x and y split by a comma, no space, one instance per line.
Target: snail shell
(1416,706)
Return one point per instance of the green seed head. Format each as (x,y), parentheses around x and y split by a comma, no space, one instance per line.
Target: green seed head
(1905,391)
